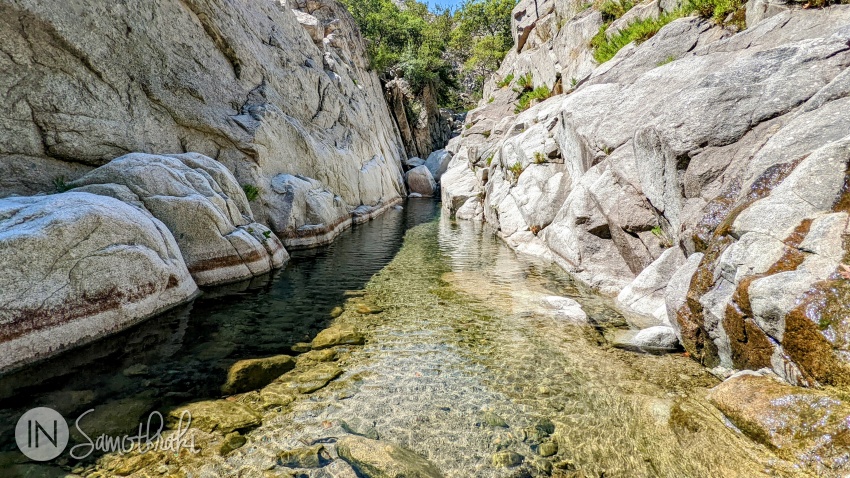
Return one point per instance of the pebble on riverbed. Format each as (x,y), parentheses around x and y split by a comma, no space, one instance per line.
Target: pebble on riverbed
(308,457)
(507,459)
(376,458)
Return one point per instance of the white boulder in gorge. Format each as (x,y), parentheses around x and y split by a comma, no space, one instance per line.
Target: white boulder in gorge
(420,181)
(200,201)
(306,213)
(438,163)
(78,266)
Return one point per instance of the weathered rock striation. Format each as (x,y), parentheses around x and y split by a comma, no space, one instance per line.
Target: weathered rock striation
(700,177)
(78,266)
(201,204)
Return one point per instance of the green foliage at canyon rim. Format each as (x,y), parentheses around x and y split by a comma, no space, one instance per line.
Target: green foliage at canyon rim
(453,51)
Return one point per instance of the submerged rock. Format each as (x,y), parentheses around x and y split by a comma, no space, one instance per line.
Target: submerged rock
(220,416)
(507,459)
(232,441)
(379,459)
(253,374)
(309,457)
(565,308)
(75,267)
(337,335)
(798,423)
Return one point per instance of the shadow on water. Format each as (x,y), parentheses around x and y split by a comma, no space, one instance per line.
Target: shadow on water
(184,354)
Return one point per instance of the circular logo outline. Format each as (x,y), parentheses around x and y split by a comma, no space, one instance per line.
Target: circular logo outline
(42,434)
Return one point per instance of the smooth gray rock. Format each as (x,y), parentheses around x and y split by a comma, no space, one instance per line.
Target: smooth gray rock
(438,163)
(75,267)
(420,180)
(203,206)
(643,300)
(658,337)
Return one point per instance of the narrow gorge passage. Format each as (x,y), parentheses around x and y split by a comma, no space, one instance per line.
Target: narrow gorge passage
(462,364)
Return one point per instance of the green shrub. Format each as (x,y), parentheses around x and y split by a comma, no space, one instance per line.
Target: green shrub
(614,9)
(538,94)
(505,81)
(639,31)
(251,192)
(719,10)
(491,99)
(60,185)
(490,160)
(516,169)
(524,83)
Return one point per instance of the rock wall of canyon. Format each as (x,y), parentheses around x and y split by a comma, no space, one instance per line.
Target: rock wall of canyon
(700,177)
(267,88)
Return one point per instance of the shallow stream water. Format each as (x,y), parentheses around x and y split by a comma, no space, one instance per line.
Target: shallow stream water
(462,362)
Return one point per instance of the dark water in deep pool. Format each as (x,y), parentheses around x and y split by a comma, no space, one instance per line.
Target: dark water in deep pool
(185,353)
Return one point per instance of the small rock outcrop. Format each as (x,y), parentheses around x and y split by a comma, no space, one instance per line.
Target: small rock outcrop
(78,266)
(252,374)
(799,424)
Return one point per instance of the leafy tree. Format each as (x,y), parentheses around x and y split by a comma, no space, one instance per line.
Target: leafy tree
(438,47)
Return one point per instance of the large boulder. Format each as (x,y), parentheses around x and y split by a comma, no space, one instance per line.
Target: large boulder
(420,181)
(203,206)
(77,266)
(438,163)
(304,212)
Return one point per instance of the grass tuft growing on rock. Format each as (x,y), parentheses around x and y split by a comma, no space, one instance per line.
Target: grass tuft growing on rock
(525,99)
(251,192)
(505,81)
(613,9)
(639,31)
(60,185)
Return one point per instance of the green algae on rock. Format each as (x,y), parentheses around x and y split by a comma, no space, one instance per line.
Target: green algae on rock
(379,459)
(800,424)
(337,335)
(252,374)
(222,416)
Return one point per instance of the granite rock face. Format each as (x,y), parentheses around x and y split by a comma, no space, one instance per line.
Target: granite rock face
(208,100)
(261,88)
(78,266)
(699,176)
